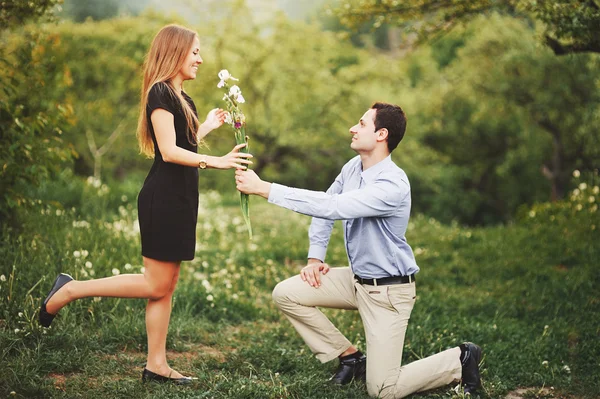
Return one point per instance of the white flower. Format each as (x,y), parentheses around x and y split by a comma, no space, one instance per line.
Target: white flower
(545,363)
(20,314)
(531,214)
(143,270)
(224,74)
(582,186)
(240,99)
(591,199)
(76,254)
(128,266)
(596,190)
(576,173)
(228,119)
(235,90)
(566,368)
(88,264)
(115,271)
(17,331)
(84,253)
(210,298)
(3,278)
(235,296)
(97,299)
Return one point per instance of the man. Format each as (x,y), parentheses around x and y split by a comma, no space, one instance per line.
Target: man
(372,196)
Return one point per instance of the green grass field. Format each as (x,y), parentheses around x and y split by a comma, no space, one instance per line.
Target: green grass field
(527,293)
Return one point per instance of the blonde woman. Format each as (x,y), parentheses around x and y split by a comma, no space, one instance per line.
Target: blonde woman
(169,129)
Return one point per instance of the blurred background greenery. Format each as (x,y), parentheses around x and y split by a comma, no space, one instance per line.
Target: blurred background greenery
(502,97)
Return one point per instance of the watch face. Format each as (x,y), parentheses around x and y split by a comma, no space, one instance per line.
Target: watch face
(202,164)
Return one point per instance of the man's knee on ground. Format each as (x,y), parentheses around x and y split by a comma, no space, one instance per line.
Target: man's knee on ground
(375,390)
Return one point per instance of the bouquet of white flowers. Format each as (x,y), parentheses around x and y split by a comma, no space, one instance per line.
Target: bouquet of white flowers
(236,118)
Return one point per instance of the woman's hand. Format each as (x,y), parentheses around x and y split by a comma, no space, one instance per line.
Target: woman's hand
(235,159)
(214,119)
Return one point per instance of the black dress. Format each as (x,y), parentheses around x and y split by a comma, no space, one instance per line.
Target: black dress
(168,201)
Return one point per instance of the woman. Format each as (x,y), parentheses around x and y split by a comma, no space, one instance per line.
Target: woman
(169,128)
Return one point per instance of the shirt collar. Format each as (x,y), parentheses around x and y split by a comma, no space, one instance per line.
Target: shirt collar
(370,174)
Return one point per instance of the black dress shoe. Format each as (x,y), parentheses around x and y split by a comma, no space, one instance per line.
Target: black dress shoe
(350,369)
(45,317)
(148,375)
(471,380)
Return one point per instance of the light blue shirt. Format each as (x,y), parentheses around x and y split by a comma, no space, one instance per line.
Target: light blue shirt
(375,207)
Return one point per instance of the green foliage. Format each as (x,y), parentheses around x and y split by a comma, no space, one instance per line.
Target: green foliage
(17,12)
(572,26)
(97,10)
(31,146)
(509,122)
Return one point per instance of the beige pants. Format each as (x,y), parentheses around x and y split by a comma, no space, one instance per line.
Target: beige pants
(385,311)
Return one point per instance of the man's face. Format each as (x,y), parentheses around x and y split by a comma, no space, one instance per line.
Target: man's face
(363,134)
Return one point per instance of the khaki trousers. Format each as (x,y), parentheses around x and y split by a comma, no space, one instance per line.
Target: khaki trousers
(385,311)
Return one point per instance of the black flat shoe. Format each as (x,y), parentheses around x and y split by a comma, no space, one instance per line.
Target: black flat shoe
(148,375)
(349,370)
(45,317)
(471,379)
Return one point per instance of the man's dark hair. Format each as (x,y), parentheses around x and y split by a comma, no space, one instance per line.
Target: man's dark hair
(392,118)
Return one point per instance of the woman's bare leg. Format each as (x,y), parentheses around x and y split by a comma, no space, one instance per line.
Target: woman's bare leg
(153,286)
(157,284)
(158,313)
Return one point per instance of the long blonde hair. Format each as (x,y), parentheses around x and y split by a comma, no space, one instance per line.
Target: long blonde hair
(164,60)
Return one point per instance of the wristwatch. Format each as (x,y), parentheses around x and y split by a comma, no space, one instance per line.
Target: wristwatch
(202,163)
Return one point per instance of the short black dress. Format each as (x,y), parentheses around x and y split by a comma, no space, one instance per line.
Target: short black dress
(168,201)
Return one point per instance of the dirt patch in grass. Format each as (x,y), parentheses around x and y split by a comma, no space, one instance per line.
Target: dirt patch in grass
(58,381)
(198,350)
(536,393)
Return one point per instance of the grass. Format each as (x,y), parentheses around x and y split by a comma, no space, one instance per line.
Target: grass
(527,293)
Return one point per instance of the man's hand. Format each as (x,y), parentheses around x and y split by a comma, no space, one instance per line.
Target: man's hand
(248,182)
(311,273)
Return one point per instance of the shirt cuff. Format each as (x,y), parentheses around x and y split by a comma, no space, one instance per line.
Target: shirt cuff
(277,193)
(317,252)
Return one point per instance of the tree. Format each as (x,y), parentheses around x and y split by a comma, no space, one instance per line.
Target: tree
(31,146)
(17,12)
(511,121)
(572,26)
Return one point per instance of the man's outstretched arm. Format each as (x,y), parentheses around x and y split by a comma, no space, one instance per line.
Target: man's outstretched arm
(379,199)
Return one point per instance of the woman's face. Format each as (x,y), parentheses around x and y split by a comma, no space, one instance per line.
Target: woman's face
(192,61)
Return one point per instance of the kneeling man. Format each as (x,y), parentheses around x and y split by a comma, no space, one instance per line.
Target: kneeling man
(372,197)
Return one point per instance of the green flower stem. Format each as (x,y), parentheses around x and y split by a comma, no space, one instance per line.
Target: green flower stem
(240,138)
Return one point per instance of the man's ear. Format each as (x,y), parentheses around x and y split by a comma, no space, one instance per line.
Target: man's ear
(382,134)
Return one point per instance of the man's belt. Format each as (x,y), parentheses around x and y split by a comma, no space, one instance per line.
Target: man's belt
(386,280)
